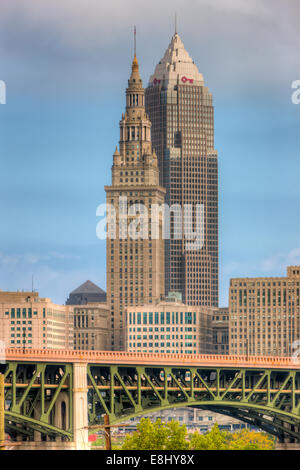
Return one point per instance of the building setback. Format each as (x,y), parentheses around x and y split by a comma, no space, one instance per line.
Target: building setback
(134,267)
(264,316)
(28,321)
(169,327)
(181,110)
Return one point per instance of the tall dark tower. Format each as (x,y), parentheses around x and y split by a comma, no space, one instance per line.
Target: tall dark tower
(181,110)
(134,266)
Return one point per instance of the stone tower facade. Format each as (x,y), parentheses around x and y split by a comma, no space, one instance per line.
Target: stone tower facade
(181,110)
(135,261)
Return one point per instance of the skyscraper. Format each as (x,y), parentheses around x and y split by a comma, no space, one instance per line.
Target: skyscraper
(181,111)
(134,265)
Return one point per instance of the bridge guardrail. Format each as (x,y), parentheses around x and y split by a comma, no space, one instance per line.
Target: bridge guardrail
(121,357)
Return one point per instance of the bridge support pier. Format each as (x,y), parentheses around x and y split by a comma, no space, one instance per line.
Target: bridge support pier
(80,407)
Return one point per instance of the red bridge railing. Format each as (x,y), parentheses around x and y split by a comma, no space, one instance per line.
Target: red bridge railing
(120,357)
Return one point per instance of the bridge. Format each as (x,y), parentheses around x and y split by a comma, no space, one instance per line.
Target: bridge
(52,396)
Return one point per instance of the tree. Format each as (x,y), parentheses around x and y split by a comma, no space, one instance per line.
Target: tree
(173,436)
(223,440)
(251,440)
(157,436)
(211,440)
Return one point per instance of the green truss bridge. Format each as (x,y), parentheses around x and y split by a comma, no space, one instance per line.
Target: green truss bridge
(53,396)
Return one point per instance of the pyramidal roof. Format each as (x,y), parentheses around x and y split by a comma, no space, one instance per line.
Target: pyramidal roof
(88,287)
(176,66)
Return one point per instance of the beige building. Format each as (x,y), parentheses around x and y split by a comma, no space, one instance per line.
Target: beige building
(264,316)
(91,326)
(135,266)
(169,326)
(220,324)
(28,321)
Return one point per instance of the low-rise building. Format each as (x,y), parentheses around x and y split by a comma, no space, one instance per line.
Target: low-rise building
(91,317)
(169,326)
(28,321)
(91,326)
(194,419)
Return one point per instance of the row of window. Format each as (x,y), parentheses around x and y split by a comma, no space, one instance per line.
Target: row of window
(162,318)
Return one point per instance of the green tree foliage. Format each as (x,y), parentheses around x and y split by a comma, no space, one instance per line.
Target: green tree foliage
(223,440)
(212,440)
(173,436)
(157,436)
(251,440)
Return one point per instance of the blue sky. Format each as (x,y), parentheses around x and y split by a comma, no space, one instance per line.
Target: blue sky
(66,65)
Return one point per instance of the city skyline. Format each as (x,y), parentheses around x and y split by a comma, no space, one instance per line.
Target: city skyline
(63,161)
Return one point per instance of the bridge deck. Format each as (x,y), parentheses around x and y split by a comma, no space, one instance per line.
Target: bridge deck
(148,359)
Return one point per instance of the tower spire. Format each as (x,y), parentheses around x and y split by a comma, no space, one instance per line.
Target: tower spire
(134,41)
(175,23)
(135,79)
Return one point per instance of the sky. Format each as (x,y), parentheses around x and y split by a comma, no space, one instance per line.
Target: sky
(66,64)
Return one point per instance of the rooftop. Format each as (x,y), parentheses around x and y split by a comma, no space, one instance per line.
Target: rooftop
(88,287)
(176,65)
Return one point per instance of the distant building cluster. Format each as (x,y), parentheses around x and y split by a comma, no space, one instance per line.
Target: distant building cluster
(194,419)
(162,296)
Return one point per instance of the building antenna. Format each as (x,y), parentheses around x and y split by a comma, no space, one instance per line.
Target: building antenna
(134,41)
(175,23)
(32,284)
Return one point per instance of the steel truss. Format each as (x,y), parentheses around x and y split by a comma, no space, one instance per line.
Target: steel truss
(267,398)
(32,391)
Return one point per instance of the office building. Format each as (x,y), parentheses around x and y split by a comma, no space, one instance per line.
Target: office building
(134,261)
(28,321)
(264,314)
(220,326)
(169,326)
(91,326)
(180,108)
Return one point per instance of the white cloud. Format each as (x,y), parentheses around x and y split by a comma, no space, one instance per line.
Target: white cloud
(54,280)
(280,261)
(34,258)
